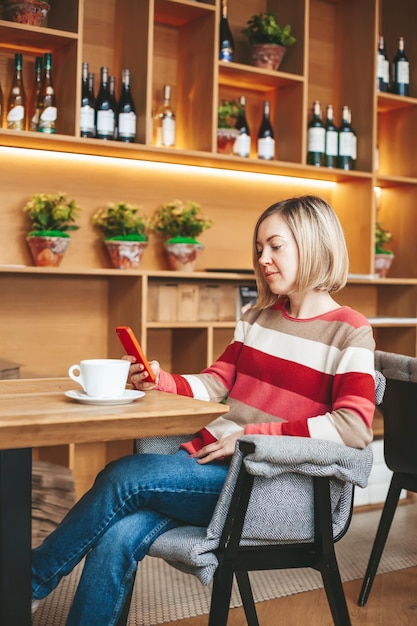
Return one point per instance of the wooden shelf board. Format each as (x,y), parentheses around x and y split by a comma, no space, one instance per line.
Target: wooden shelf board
(179,13)
(35,39)
(252,78)
(70,144)
(392,322)
(387,102)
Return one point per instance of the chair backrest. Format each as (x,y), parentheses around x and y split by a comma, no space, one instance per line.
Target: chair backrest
(400,426)
(399,409)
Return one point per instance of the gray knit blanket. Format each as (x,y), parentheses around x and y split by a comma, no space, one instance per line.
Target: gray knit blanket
(281,504)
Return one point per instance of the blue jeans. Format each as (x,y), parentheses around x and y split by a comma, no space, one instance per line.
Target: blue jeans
(133,501)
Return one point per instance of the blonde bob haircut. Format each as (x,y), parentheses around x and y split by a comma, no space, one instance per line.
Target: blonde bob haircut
(323,256)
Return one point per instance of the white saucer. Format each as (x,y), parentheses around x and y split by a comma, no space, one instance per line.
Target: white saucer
(129,395)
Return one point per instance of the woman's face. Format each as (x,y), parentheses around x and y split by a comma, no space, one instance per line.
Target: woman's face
(277,255)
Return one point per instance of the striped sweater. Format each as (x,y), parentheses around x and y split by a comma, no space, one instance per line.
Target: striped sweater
(285,376)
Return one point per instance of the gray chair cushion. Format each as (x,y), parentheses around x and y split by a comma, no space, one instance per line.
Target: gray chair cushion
(281,504)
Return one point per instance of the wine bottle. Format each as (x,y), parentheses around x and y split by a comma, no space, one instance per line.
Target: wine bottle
(87,113)
(382,81)
(331,141)
(1,107)
(354,141)
(113,102)
(46,103)
(316,137)
(400,71)
(16,103)
(165,123)
(266,141)
(242,144)
(345,143)
(126,112)
(105,111)
(227,44)
(33,110)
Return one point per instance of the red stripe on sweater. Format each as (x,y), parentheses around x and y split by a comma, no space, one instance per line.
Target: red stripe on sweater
(203,438)
(183,387)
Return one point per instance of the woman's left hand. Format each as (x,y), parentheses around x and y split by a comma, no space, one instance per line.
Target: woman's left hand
(219,449)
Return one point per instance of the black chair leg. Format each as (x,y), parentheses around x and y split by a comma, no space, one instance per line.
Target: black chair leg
(384,526)
(245,591)
(220,595)
(333,587)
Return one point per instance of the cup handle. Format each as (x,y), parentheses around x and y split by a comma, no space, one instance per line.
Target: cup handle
(77,377)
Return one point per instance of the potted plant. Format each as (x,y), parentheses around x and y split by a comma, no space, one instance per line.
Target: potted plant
(52,217)
(227,114)
(124,233)
(268,39)
(26,11)
(383,255)
(181,222)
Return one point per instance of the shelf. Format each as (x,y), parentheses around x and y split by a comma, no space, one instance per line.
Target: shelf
(208,324)
(179,12)
(254,78)
(33,39)
(140,152)
(395,322)
(388,102)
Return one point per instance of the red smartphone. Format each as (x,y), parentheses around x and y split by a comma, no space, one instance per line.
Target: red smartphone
(132,347)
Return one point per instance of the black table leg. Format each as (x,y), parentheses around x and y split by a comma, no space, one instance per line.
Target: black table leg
(15,536)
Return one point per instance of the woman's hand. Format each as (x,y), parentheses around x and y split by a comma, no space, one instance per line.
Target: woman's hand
(137,373)
(218,450)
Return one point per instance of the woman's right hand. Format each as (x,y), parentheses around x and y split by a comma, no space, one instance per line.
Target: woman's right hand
(137,374)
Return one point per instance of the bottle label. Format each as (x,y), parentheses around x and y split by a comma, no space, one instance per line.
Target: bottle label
(87,119)
(47,120)
(168,131)
(316,139)
(381,66)
(345,144)
(34,122)
(403,72)
(226,54)
(331,143)
(266,148)
(354,147)
(127,124)
(385,76)
(241,146)
(105,123)
(48,115)
(16,118)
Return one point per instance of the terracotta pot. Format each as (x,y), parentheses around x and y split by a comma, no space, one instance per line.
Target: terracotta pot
(268,55)
(226,138)
(382,264)
(47,251)
(126,255)
(26,12)
(183,257)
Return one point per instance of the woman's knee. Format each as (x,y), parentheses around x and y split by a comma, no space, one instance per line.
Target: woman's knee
(120,469)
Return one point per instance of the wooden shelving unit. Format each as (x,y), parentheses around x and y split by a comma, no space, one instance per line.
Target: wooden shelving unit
(51,318)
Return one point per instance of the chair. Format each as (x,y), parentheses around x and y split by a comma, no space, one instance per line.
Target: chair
(322,476)
(399,410)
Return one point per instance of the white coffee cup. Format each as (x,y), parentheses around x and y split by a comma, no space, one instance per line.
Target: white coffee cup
(101,378)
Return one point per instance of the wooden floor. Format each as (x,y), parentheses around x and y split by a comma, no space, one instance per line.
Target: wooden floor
(392,602)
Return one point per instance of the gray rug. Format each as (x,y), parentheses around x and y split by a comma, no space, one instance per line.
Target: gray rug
(163,594)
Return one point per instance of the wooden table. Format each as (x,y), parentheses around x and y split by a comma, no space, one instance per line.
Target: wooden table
(35,412)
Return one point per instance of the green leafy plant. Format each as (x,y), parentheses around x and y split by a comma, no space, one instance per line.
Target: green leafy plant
(121,221)
(227,113)
(51,214)
(382,237)
(180,221)
(264,28)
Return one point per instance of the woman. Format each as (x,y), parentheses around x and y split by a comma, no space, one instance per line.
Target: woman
(296,348)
